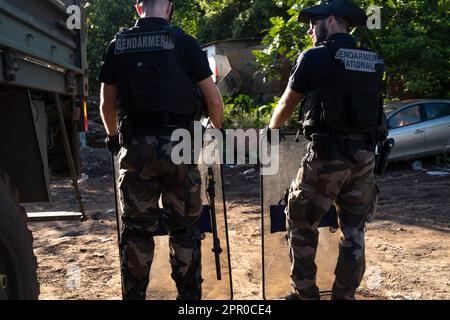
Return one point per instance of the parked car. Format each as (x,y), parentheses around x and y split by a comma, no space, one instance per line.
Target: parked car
(420,128)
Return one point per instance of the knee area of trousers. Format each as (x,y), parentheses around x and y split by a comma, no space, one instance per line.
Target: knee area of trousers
(135,233)
(189,233)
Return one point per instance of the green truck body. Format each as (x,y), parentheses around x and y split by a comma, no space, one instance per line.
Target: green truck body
(40,56)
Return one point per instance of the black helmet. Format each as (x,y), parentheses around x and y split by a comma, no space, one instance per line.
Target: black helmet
(339,8)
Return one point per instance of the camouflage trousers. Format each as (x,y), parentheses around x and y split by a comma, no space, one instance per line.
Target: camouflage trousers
(346,180)
(147,175)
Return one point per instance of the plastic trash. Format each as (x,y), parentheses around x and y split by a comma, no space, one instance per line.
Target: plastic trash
(84,178)
(438,173)
(249,171)
(417,165)
(83,140)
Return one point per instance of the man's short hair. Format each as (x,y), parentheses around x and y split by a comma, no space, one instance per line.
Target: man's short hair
(152,2)
(340,21)
(343,22)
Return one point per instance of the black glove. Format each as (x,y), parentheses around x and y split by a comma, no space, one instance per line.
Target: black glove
(113,144)
(268,132)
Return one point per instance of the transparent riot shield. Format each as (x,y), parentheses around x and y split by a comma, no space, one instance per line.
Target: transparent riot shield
(216,264)
(276,266)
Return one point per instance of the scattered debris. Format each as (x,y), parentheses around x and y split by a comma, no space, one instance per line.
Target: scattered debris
(414,210)
(249,171)
(438,173)
(83,140)
(96,216)
(84,178)
(96,162)
(417,165)
(96,135)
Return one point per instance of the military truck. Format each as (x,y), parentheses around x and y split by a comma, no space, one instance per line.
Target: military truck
(43,86)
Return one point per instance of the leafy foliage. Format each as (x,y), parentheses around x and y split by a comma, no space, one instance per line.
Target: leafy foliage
(104,19)
(413,42)
(207,20)
(225,19)
(242,111)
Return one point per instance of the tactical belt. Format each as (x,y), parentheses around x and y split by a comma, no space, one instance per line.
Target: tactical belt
(347,140)
(161,118)
(150,124)
(139,131)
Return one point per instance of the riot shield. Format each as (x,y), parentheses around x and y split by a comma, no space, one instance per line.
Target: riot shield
(216,264)
(276,266)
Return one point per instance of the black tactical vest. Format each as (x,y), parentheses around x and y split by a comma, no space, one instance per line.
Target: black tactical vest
(349,98)
(152,73)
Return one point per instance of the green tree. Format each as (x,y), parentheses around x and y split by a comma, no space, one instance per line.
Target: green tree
(225,19)
(106,17)
(413,42)
(415,45)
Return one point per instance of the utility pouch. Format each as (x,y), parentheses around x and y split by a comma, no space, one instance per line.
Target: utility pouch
(192,192)
(323,146)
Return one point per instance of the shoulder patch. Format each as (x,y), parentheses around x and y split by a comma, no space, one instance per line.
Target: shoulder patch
(143,42)
(358,60)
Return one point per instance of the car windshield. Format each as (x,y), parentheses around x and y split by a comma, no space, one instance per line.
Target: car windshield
(405,117)
(389,108)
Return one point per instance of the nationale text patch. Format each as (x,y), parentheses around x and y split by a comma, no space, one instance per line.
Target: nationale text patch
(358,60)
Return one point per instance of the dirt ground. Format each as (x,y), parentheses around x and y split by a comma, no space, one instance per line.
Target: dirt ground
(408,247)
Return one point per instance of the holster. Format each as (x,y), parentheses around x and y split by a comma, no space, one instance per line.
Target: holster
(126,132)
(381,158)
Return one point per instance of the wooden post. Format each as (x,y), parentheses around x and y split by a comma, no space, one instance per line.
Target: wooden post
(69,157)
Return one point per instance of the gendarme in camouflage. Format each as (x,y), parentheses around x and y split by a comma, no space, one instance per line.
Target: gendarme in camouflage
(276,263)
(146,175)
(148,182)
(342,178)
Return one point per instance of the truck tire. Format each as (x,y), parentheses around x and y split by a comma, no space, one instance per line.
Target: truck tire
(18,265)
